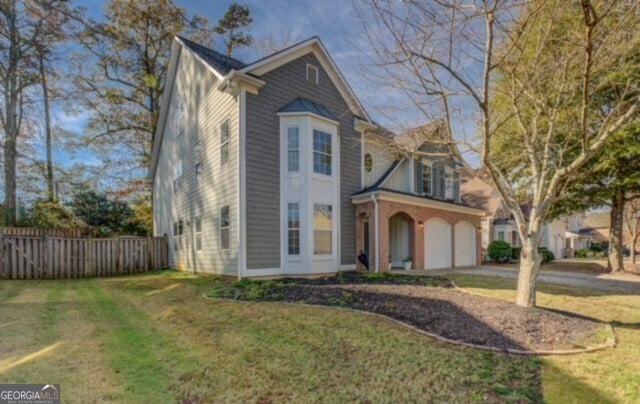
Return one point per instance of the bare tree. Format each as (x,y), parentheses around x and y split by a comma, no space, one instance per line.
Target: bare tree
(274,42)
(527,74)
(632,224)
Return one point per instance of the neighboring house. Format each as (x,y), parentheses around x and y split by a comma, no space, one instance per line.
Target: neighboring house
(596,225)
(267,169)
(561,236)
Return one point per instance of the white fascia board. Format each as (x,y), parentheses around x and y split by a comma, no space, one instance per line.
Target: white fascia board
(218,75)
(236,80)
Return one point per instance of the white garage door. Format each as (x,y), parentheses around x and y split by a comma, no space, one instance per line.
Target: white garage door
(465,244)
(437,244)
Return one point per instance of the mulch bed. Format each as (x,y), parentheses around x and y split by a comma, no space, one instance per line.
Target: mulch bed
(442,310)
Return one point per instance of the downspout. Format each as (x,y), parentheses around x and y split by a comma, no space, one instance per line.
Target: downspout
(376,236)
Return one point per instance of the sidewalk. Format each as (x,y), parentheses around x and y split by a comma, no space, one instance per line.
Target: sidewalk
(626,283)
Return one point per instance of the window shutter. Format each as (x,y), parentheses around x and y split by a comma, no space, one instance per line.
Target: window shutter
(419,179)
(456,186)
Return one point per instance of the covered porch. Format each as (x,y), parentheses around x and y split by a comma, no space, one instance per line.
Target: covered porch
(394,228)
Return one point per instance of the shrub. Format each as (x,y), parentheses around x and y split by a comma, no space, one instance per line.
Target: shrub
(515,253)
(547,256)
(583,253)
(499,251)
(595,247)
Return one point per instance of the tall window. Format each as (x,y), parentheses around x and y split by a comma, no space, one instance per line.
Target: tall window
(293,149)
(293,225)
(178,231)
(198,166)
(198,172)
(177,177)
(224,142)
(321,152)
(197,226)
(322,228)
(501,235)
(449,184)
(423,177)
(224,227)
(180,117)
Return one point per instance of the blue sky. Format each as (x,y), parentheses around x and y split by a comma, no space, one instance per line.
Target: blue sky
(334,21)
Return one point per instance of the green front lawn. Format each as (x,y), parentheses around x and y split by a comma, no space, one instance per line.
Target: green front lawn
(600,377)
(153,338)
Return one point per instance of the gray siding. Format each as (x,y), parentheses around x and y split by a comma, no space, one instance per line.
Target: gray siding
(263,159)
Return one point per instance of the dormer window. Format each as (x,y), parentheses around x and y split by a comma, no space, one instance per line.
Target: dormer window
(312,73)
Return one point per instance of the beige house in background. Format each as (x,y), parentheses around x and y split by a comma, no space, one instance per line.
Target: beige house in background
(561,236)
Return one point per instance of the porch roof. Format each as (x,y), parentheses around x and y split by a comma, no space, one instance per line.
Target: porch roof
(411,199)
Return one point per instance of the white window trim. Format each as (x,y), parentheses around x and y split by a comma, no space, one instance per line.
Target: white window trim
(316,70)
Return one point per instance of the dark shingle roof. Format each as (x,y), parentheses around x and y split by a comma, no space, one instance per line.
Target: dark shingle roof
(302,105)
(222,63)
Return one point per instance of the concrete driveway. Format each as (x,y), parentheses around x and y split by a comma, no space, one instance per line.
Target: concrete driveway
(626,283)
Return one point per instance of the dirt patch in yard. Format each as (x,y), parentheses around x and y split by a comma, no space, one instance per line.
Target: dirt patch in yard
(440,309)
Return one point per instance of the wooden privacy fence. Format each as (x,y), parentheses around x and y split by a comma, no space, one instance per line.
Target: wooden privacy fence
(25,257)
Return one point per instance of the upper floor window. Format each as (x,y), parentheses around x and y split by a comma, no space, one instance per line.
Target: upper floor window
(224,142)
(293,149)
(180,120)
(423,178)
(177,177)
(312,73)
(321,152)
(198,166)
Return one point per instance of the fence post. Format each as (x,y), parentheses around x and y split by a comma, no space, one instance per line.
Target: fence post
(165,248)
(117,255)
(89,265)
(149,253)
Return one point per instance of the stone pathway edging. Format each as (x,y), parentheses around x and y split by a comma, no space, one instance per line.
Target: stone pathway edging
(610,343)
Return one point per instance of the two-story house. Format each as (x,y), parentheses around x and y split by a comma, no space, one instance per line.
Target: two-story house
(270,169)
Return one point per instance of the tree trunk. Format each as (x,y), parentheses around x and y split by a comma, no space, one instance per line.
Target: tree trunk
(47,123)
(530,262)
(632,251)
(616,230)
